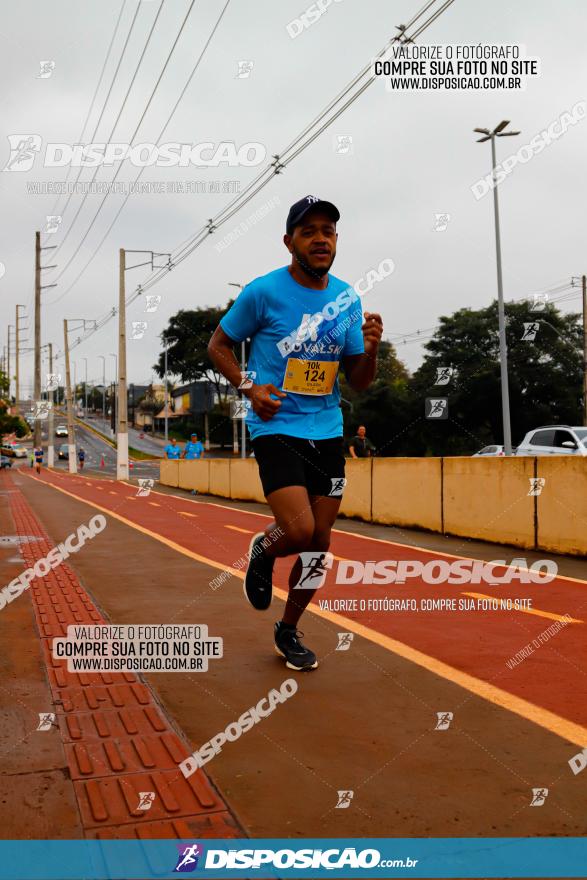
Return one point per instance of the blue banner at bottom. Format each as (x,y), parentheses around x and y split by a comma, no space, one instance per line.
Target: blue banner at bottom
(283,858)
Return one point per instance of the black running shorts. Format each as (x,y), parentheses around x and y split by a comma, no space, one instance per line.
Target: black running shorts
(293,461)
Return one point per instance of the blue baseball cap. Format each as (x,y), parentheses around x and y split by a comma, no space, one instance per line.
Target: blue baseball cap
(298,211)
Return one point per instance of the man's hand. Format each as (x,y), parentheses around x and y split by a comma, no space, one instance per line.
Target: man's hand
(261,400)
(372,332)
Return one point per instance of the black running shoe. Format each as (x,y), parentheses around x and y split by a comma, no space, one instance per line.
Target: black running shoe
(287,643)
(258,586)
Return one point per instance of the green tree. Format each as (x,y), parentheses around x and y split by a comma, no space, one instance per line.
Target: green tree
(544,377)
(187,337)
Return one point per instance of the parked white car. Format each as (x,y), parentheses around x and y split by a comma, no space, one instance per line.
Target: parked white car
(554,440)
(489,450)
(61,431)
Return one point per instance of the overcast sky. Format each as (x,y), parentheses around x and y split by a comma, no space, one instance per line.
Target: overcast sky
(413,155)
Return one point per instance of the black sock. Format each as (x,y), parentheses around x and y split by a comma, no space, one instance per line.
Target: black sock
(287,625)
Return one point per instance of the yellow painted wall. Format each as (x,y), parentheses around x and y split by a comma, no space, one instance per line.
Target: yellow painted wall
(219,477)
(484,498)
(194,474)
(356,499)
(562,504)
(487,498)
(406,492)
(245,484)
(168,472)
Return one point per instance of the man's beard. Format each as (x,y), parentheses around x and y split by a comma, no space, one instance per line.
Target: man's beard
(316,273)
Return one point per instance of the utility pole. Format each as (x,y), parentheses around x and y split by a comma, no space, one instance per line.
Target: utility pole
(68,397)
(166,404)
(17,363)
(103,387)
(37,374)
(584,285)
(8,362)
(86,389)
(50,428)
(122,423)
(498,131)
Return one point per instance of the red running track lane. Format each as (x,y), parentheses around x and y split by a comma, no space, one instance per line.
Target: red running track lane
(475,642)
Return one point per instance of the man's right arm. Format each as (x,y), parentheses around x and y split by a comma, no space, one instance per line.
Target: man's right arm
(220,352)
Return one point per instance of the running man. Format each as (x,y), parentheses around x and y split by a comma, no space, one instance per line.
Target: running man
(81,457)
(38,458)
(193,449)
(303,323)
(172,450)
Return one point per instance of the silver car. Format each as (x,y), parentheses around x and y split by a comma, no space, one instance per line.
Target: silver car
(554,440)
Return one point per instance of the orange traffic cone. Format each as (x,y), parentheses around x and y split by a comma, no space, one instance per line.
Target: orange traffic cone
(131,464)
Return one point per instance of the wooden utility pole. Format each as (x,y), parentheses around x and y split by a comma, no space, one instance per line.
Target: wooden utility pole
(68,397)
(17,363)
(37,375)
(122,420)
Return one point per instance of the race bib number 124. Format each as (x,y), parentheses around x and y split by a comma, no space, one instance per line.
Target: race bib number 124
(310,377)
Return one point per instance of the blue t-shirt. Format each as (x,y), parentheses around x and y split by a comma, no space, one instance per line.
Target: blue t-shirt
(172,451)
(288,321)
(193,450)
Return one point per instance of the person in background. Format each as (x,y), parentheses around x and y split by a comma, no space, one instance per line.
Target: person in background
(38,458)
(360,446)
(81,457)
(172,450)
(193,448)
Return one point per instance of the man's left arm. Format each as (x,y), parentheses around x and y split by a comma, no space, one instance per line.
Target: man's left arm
(360,369)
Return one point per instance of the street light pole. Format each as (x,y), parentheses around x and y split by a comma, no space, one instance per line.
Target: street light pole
(103,387)
(166,403)
(86,389)
(115,395)
(503,355)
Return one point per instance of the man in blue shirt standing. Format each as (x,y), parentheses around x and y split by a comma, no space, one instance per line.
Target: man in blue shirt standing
(303,324)
(193,448)
(172,450)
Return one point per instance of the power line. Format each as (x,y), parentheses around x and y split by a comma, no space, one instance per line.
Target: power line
(262,179)
(113,129)
(132,137)
(91,107)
